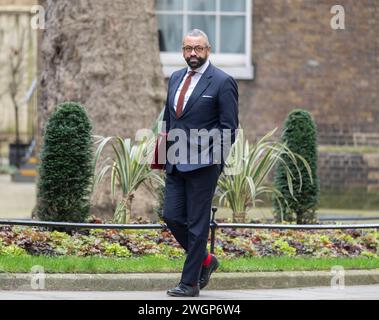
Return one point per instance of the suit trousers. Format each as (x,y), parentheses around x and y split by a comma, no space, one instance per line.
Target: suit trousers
(187,209)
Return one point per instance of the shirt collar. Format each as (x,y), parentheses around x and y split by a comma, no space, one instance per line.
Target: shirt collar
(200,70)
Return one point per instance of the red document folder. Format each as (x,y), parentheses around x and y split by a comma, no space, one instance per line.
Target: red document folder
(159,161)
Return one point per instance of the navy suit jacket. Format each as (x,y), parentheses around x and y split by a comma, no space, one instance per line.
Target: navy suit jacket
(213,104)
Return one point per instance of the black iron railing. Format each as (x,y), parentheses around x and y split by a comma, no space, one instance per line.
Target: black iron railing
(213,226)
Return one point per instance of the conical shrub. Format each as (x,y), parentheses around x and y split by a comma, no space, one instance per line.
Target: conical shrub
(66,170)
(300,136)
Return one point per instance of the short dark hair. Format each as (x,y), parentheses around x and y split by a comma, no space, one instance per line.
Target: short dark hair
(197,33)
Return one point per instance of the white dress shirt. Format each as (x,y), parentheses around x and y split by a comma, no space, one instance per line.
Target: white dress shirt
(195,79)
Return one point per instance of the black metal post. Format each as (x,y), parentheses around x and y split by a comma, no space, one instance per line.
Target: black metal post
(213,226)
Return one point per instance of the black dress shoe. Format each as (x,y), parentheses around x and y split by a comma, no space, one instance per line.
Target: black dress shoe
(183,290)
(206,272)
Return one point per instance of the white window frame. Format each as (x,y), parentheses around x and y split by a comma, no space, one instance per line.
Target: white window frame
(237,65)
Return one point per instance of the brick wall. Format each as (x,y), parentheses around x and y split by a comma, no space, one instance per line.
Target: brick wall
(343,171)
(301,62)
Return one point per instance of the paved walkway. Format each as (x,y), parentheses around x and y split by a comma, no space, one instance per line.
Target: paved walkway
(16,199)
(370,292)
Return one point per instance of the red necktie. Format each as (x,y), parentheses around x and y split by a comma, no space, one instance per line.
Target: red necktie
(187,82)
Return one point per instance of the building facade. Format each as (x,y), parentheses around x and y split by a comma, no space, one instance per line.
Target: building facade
(288,54)
(298,56)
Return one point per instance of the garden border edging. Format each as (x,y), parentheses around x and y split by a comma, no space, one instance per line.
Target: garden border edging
(163,281)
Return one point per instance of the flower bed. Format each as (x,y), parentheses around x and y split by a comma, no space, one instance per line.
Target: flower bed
(229,243)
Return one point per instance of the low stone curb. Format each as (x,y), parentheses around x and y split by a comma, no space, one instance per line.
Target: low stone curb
(163,281)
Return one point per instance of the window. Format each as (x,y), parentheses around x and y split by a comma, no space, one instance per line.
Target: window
(226,22)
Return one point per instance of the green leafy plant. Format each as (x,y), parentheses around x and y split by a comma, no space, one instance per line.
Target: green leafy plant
(173,252)
(300,136)
(115,249)
(12,250)
(129,169)
(368,254)
(284,248)
(66,170)
(252,164)
(160,243)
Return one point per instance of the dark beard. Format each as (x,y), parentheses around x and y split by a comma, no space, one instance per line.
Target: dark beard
(196,64)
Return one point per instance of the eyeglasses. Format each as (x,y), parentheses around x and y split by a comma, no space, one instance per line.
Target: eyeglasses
(198,49)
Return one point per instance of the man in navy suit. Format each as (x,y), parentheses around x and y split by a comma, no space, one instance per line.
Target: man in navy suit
(201,118)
